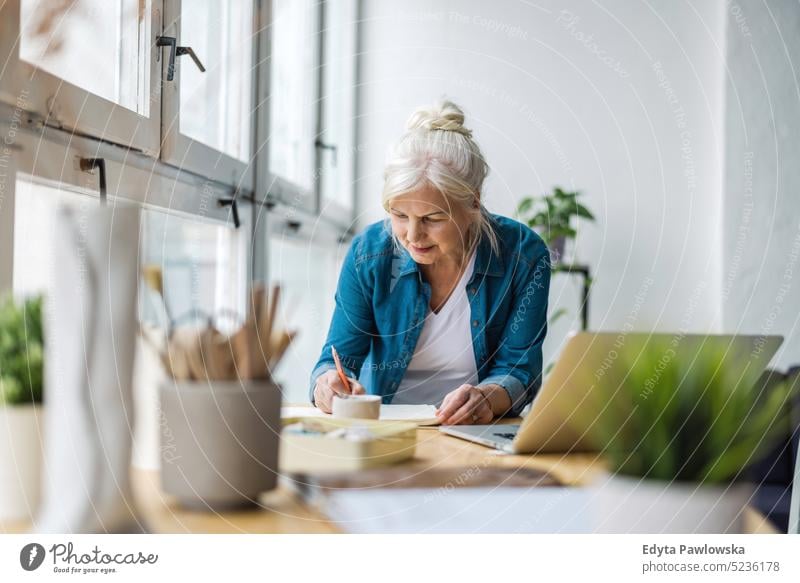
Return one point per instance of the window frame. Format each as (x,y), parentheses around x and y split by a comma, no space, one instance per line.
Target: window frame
(270,187)
(53,157)
(186,153)
(273,189)
(9,151)
(264,203)
(24,84)
(345,152)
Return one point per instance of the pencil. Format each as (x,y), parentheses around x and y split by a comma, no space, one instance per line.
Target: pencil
(339,369)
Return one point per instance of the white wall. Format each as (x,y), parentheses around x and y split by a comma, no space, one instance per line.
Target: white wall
(760,291)
(549,110)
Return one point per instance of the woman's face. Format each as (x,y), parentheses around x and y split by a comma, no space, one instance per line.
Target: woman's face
(429,226)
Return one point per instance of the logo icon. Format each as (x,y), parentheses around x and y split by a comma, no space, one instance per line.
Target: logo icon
(31,556)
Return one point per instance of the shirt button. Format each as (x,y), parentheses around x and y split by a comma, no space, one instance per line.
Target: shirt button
(472,290)
(474,323)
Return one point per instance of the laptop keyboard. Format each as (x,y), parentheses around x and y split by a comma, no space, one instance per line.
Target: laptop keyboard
(508,436)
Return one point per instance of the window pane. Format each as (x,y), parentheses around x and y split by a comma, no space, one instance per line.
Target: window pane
(308,274)
(204,264)
(35,206)
(293,89)
(98,45)
(203,267)
(216,105)
(338,98)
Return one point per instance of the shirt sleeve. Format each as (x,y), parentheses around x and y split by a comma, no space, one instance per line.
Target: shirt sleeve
(517,362)
(352,325)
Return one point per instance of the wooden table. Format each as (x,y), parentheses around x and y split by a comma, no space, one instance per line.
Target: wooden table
(283,511)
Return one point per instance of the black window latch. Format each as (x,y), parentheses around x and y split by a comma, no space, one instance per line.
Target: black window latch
(171,42)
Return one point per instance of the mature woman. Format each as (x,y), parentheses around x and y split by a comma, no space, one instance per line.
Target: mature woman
(441,302)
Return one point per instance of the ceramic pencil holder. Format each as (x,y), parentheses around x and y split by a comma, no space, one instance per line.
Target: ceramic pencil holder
(219,441)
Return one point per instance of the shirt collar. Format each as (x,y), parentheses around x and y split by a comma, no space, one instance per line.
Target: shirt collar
(487,261)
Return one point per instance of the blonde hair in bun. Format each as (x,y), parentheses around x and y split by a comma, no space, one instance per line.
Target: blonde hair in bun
(444,116)
(437,150)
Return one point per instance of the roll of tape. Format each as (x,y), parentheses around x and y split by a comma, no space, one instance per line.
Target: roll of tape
(357,406)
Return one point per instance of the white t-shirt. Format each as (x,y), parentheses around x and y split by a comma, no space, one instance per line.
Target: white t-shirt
(444,358)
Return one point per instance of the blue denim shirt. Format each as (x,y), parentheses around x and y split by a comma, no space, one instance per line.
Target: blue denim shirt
(382,300)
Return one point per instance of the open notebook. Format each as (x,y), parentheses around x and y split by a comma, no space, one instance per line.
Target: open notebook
(419,414)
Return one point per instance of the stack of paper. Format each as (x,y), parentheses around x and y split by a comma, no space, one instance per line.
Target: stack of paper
(419,414)
(336,445)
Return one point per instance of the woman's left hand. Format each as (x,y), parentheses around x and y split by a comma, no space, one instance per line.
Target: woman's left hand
(467,405)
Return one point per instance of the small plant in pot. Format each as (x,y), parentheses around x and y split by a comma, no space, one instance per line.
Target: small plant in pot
(551,216)
(678,434)
(21,381)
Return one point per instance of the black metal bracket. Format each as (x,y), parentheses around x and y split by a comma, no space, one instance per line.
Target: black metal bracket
(231,202)
(88,165)
(176,51)
(582,270)
(270,201)
(323,146)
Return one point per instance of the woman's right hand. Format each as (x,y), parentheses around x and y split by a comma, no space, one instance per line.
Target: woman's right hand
(328,385)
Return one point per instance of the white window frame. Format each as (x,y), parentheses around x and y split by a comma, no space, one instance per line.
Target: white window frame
(275,189)
(53,157)
(272,220)
(9,153)
(280,190)
(277,200)
(184,152)
(286,221)
(270,187)
(142,161)
(60,104)
(345,152)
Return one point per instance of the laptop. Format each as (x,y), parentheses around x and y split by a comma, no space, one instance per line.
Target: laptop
(594,361)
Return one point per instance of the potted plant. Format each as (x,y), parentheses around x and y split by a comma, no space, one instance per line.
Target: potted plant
(21,380)
(551,216)
(677,435)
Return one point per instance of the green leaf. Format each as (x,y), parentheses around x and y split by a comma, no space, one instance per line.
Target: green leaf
(552,214)
(11,391)
(583,212)
(21,351)
(539,219)
(555,316)
(567,232)
(551,206)
(524,206)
